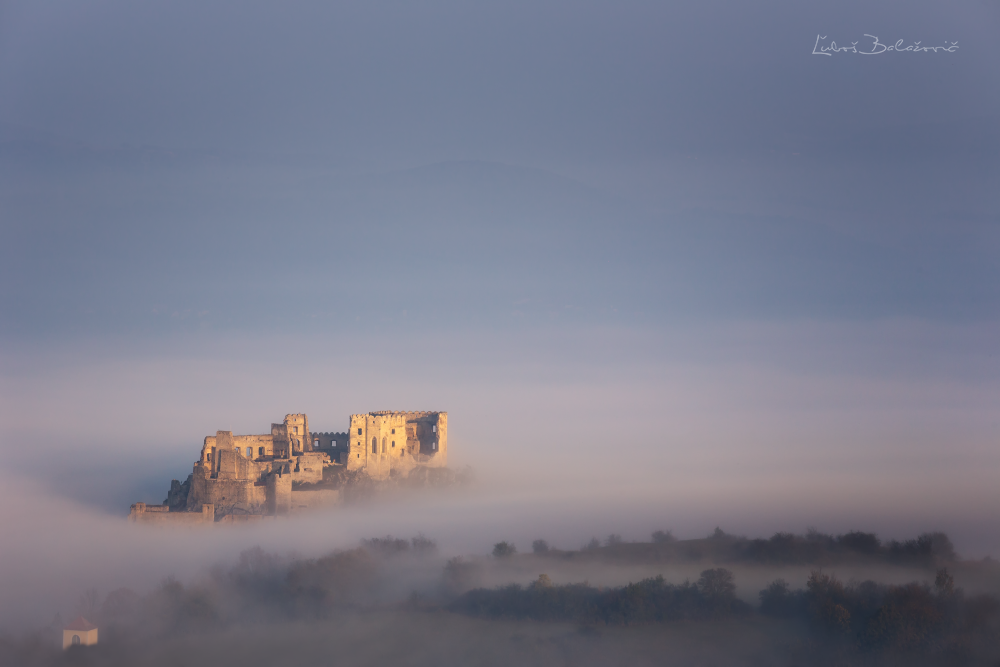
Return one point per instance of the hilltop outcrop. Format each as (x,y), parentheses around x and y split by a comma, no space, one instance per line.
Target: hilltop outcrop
(246,477)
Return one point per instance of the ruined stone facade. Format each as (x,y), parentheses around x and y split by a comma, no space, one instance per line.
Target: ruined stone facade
(252,475)
(381,442)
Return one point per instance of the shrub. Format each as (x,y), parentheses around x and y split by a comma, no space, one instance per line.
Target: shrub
(864,543)
(717,584)
(927,547)
(386,546)
(944,583)
(422,545)
(647,601)
(778,600)
(540,546)
(461,575)
(504,550)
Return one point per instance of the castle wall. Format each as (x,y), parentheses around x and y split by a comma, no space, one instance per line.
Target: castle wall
(294,432)
(333,444)
(286,439)
(427,437)
(308,468)
(279,493)
(378,439)
(200,478)
(313,499)
(385,441)
(240,475)
(242,518)
(161,515)
(230,495)
(259,446)
(231,464)
(231,482)
(281,441)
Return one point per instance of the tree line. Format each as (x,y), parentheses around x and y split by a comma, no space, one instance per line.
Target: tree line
(920,618)
(926,550)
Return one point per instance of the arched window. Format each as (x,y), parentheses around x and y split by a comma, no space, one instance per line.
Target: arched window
(383,444)
(374,445)
(76,639)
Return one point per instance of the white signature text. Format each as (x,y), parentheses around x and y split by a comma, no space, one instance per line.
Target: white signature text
(875,47)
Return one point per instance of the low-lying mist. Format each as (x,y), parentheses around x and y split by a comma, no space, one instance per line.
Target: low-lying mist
(822,598)
(757,427)
(60,548)
(573,435)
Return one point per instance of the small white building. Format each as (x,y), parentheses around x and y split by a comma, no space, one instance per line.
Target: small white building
(80,632)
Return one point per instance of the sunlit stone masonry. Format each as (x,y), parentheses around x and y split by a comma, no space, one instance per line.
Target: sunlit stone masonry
(246,477)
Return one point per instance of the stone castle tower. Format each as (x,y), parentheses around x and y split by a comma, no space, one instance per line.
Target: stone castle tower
(381,442)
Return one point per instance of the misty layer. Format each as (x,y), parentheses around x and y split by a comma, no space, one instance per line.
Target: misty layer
(407,589)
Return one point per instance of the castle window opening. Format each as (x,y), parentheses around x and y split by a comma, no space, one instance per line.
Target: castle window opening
(260,451)
(237,449)
(383,444)
(374,445)
(434,428)
(316,443)
(249,452)
(76,639)
(394,444)
(359,430)
(394,431)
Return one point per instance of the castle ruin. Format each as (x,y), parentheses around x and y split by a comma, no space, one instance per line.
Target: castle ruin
(243,477)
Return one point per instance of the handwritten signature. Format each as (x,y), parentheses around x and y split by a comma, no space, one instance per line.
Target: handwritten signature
(877,47)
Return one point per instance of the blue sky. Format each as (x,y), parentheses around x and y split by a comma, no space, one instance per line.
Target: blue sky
(657,254)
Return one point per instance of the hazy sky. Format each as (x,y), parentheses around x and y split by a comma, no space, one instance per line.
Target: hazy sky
(651,255)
